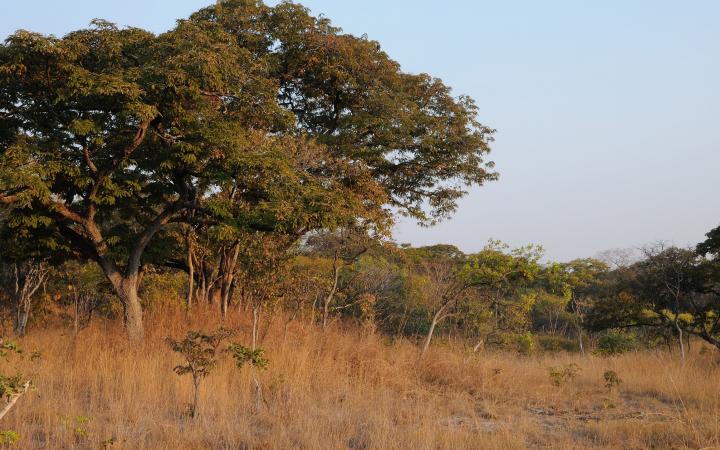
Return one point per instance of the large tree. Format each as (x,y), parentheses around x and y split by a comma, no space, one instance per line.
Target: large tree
(243,117)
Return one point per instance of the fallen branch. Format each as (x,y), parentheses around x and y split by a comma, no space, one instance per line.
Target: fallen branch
(14,398)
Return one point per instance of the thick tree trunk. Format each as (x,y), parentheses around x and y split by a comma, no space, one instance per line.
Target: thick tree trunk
(133,310)
(126,288)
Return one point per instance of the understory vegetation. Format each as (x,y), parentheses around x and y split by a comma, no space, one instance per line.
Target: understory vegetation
(347,388)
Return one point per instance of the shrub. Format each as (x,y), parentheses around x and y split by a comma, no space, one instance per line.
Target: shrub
(557,344)
(525,343)
(615,343)
(560,375)
(612,379)
(243,355)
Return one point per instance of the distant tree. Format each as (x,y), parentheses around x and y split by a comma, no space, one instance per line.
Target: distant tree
(574,281)
(455,279)
(711,246)
(671,288)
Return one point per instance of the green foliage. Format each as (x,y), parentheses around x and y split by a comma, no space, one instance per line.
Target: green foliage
(562,374)
(245,355)
(615,342)
(10,385)
(78,425)
(525,343)
(9,437)
(244,119)
(554,344)
(200,351)
(8,348)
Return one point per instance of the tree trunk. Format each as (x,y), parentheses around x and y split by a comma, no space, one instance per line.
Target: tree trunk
(580,341)
(255,325)
(29,277)
(435,320)
(333,290)
(23,313)
(133,309)
(429,336)
(126,288)
(227,267)
(191,272)
(680,339)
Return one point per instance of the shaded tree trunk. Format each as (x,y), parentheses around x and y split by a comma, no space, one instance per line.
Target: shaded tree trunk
(191,271)
(29,277)
(333,290)
(126,288)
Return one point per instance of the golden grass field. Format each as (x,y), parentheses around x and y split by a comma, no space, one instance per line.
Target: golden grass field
(344,389)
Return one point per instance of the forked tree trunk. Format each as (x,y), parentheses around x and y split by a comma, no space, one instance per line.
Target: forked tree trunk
(29,277)
(126,288)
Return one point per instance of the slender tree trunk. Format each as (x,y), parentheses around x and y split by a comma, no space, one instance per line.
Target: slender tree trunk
(680,340)
(29,277)
(429,336)
(255,325)
(23,313)
(229,263)
(196,397)
(333,290)
(191,271)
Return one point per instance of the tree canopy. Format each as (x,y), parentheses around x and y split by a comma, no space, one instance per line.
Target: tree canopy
(244,117)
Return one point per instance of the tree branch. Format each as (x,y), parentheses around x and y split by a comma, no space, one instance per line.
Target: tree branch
(144,239)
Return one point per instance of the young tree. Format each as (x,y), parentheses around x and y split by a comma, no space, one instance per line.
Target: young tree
(201,352)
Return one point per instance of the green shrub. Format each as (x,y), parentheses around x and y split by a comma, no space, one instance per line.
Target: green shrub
(525,343)
(615,343)
(557,344)
(560,375)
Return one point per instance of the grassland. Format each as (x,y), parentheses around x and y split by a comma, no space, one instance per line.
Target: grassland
(343,388)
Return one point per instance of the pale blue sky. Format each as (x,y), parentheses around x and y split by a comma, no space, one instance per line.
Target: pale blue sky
(606,111)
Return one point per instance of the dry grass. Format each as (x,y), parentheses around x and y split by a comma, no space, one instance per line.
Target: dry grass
(341,389)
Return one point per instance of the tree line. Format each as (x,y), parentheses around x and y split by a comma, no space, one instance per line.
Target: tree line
(253,159)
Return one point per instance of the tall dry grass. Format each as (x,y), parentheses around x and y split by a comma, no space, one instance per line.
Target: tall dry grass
(344,389)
